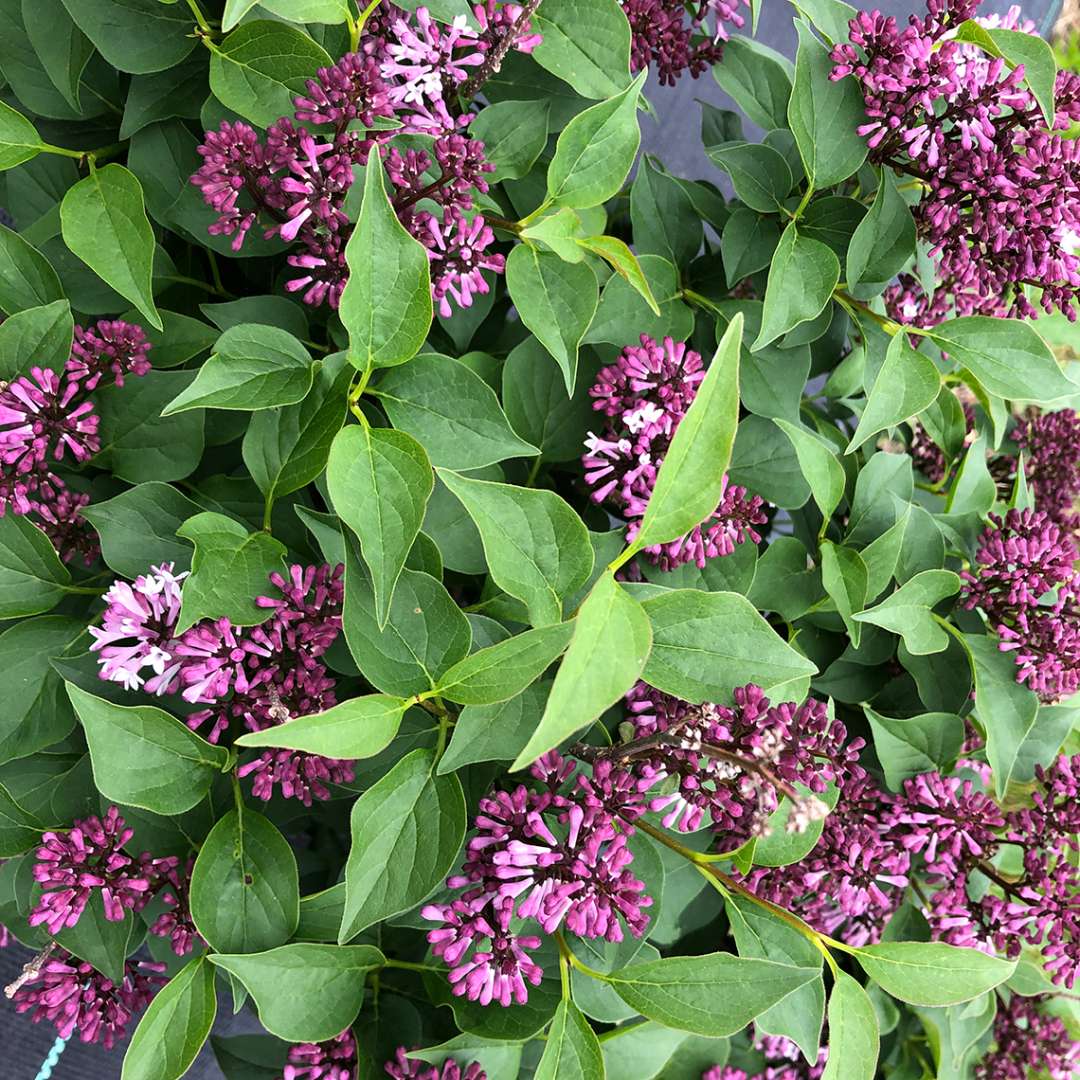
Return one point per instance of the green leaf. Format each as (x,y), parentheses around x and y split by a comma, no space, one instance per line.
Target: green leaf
(707,643)
(917,744)
(451,411)
(61,48)
(230,567)
(621,305)
(824,115)
(104,223)
(145,758)
(32,577)
(177,92)
(606,655)
(692,476)
(853,1032)
(931,972)
(1007,356)
(819,465)
(802,277)
(586,43)
(298,11)
(137,443)
(907,383)
(360,727)
(386,304)
(514,134)
(285,449)
(36,711)
(884,241)
(27,279)
(406,832)
(846,580)
(305,993)
(782,846)
(19,831)
(831,17)
(758,80)
(495,732)
(137,528)
(537,548)
(715,994)
(245,892)
(504,670)
(174,1027)
(907,611)
(380,481)
(572,1050)
(760,175)
(1018,47)
(624,262)
(137,36)
(760,934)
(595,151)
(538,406)
(426,634)
(974,490)
(19,140)
(662,215)
(1008,710)
(258,68)
(253,367)
(556,300)
(38,336)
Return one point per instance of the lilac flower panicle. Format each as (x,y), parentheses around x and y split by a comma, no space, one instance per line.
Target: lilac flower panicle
(176,923)
(1001,192)
(729,767)
(251,677)
(672,38)
(335,1059)
(75,998)
(135,641)
(70,866)
(783,1061)
(644,395)
(407,68)
(1029,1042)
(403,1067)
(1051,445)
(556,856)
(1023,581)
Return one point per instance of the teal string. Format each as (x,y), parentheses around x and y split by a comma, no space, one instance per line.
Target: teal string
(51,1059)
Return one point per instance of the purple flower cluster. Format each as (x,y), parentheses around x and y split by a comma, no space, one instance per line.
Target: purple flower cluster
(257,676)
(1051,445)
(957,831)
(732,765)
(644,395)
(406,71)
(176,923)
(335,1059)
(405,1068)
(71,865)
(47,417)
(71,995)
(783,1061)
(557,856)
(675,37)
(1024,582)
(1029,1042)
(1001,190)
(855,877)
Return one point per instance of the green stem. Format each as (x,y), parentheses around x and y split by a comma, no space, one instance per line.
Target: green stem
(624,557)
(180,279)
(361,23)
(268,510)
(805,201)
(566,953)
(564,976)
(200,18)
(851,305)
(444,728)
(533,472)
(614,1033)
(83,590)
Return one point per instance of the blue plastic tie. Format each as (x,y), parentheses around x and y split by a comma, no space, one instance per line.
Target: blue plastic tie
(51,1059)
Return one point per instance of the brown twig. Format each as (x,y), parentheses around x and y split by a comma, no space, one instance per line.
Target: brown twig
(493,61)
(30,970)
